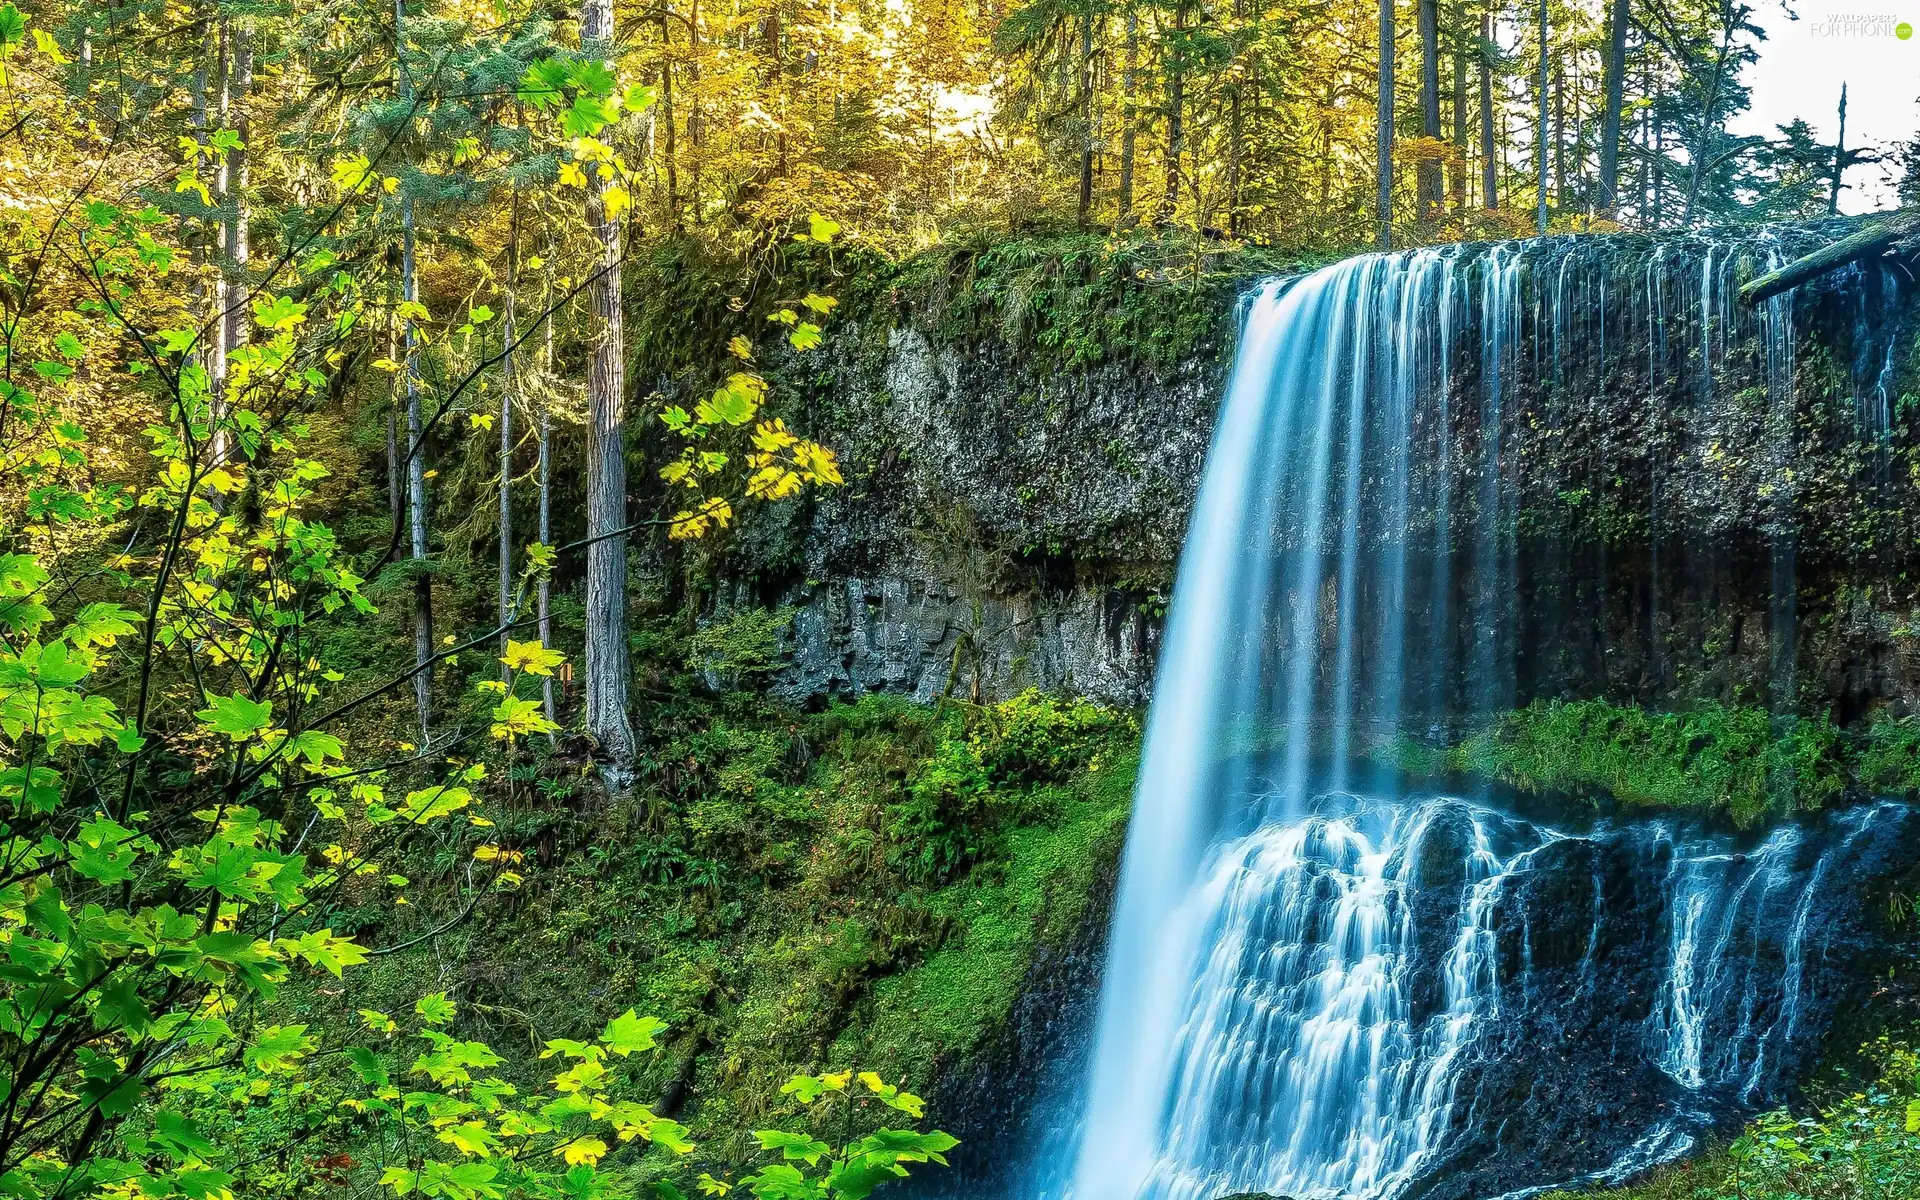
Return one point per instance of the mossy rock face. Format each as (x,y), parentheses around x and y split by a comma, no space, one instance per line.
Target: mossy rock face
(1733,763)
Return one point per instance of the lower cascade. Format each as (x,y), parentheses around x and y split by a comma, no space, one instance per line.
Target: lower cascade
(1324,980)
(1374,972)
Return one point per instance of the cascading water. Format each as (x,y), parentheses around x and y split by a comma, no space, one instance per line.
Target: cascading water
(1318,983)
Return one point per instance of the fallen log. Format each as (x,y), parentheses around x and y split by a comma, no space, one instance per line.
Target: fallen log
(1869,242)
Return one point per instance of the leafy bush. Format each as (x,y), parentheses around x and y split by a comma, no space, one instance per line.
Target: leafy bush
(984,768)
(741,649)
(1036,738)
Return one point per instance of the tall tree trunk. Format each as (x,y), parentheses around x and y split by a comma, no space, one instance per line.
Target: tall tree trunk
(1176,116)
(216,332)
(1620,12)
(1236,132)
(1430,181)
(1563,192)
(1839,157)
(1086,110)
(197,236)
(1127,122)
(509,385)
(546,496)
(416,430)
(1701,151)
(1383,126)
(666,111)
(1489,162)
(396,468)
(1659,171)
(1462,140)
(233,265)
(1542,129)
(606,616)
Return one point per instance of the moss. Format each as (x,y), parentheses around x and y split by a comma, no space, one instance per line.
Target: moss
(1730,760)
(1038,892)
(1074,299)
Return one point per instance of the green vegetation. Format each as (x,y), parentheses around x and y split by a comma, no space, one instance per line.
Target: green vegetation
(1710,758)
(862,887)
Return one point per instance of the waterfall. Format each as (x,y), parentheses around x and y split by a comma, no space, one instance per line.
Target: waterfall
(1317,980)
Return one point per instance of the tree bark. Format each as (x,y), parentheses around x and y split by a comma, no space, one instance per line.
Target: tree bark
(545,596)
(1176,117)
(238,217)
(606,483)
(1086,111)
(666,110)
(1127,85)
(1383,125)
(509,384)
(1489,163)
(1542,131)
(1620,12)
(1462,140)
(219,106)
(1839,157)
(1429,177)
(1236,134)
(1563,192)
(416,431)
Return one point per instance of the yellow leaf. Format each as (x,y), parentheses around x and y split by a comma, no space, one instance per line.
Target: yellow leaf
(582,1150)
(531,657)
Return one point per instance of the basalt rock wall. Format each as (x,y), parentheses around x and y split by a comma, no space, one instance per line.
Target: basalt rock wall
(1713,502)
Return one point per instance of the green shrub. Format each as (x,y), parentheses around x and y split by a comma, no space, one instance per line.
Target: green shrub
(1036,738)
(980,775)
(1890,761)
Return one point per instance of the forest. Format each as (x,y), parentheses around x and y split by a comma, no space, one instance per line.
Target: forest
(588,603)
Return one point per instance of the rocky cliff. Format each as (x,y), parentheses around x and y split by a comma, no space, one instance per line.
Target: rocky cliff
(1712,499)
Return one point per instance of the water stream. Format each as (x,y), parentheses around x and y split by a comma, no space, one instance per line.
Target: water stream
(1320,983)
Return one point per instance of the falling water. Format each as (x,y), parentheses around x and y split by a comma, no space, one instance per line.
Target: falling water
(1307,963)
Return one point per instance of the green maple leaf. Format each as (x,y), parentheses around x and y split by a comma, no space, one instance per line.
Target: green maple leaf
(434,1009)
(100,625)
(237,716)
(317,747)
(541,86)
(591,76)
(279,312)
(13,26)
(204,1183)
(794,1147)
(279,1048)
(630,1034)
(781,1182)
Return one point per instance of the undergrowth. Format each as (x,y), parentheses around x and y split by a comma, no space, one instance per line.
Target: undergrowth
(862,885)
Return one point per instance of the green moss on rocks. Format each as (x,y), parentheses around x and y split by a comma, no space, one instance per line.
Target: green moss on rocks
(1039,891)
(1710,758)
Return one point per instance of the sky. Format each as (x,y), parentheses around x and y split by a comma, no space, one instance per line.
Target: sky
(1803,63)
